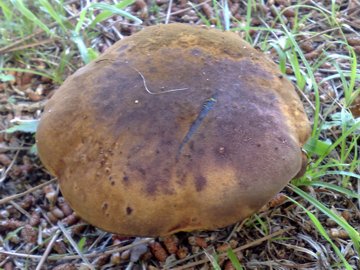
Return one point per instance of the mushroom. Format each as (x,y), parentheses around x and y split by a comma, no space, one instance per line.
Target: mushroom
(175,128)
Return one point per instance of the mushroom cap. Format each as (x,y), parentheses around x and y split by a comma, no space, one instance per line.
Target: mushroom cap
(175,128)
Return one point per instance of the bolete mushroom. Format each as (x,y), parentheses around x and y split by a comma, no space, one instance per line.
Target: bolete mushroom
(175,128)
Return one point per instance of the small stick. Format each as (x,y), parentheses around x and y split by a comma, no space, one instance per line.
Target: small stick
(47,251)
(73,244)
(3,175)
(252,244)
(146,87)
(74,257)
(189,8)
(27,46)
(168,14)
(15,196)
(20,209)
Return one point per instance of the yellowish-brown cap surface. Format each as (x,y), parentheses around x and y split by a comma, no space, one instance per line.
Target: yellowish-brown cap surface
(176,128)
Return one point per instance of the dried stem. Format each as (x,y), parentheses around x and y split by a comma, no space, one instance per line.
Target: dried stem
(15,196)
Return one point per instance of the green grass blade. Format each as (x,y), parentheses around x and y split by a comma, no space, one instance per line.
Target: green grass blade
(337,173)
(6,77)
(112,9)
(217,12)
(323,12)
(343,74)
(353,75)
(19,5)
(248,19)
(81,244)
(344,81)
(77,39)
(315,146)
(27,71)
(234,259)
(334,10)
(65,59)
(294,61)
(336,188)
(6,10)
(343,137)
(202,17)
(354,235)
(323,233)
(81,21)
(27,126)
(12,233)
(54,14)
(93,54)
(262,224)
(213,260)
(310,73)
(125,3)
(282,57)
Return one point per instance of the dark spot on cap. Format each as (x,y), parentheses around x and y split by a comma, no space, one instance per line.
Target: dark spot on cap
(151,188)
(200,183)
(105,206)
(196,52)
(142,171)
(258,145)
(126,178)
(180,177)
(113,183)
(194,219)
(129,210)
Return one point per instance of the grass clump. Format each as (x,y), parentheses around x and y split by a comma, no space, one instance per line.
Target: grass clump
(65,30)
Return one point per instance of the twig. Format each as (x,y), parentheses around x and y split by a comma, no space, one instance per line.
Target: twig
(15,196)
(155,93)
(252,244)
(308,101)
(23,106)
(74,257)
(168,13)
(314,36)
(27,46)
(98,239)
(12,148)
(73,244)
(186,9)
(238,226)
(20,209)
(4,174)
(47,251)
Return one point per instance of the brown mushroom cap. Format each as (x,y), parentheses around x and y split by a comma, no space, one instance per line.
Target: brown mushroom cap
(176,128)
